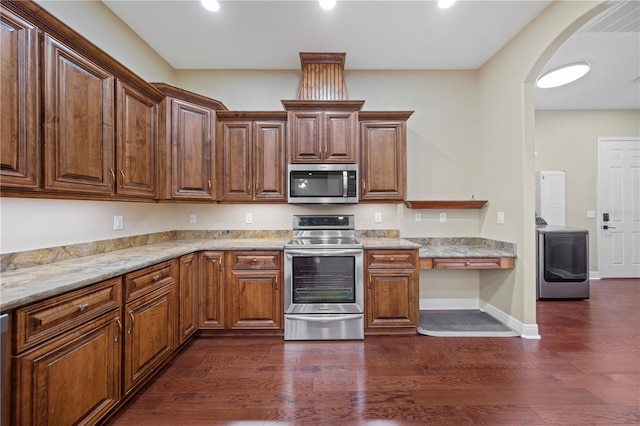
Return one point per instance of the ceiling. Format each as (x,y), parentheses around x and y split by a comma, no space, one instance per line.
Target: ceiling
(388,35)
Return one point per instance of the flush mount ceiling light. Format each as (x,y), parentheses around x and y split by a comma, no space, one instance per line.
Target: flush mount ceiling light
(444,4)
(562,75)
(211,5)
(327,4)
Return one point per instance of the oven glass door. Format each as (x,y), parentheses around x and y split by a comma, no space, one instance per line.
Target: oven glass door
(324,281)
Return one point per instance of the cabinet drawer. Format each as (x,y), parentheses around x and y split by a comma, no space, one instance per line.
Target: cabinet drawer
(255,260)
(146,280)
(51,317)
(468,263)
(392,259)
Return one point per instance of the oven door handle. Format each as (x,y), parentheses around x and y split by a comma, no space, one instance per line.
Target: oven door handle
(327,318)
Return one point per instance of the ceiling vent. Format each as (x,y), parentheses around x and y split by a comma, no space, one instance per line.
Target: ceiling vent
(322,77)
(621,17)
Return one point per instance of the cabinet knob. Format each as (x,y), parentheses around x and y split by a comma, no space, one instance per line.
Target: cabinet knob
(392,259)
(254,260)
(467,263)
(155,278)
(83,307)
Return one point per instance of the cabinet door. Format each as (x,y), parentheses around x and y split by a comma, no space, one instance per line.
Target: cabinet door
(254,298)
(150,334)
(340,138)
(270,167)
(136,141)
(19,114)
(72,379)
(188,300)
(392,298)
(383,161)
(78,122)
(211,290)
(192,151)
(236,174)
(305,137)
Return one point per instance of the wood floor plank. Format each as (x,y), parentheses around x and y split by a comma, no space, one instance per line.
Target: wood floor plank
(584,370)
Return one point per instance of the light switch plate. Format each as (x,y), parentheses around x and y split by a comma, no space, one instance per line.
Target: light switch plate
(248,218)
(192,218)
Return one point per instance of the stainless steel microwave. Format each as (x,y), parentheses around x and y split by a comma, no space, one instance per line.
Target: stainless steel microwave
(322,183)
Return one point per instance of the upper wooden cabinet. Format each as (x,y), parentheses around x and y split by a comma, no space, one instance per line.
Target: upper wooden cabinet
(19,124)
(383,162)
(78,122)
(252,160)
(136,142)
(82,151)
(323,131)
(98,121)
(187,147)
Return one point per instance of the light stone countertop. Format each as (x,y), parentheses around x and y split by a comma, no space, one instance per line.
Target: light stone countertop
(23,286)
(20,287)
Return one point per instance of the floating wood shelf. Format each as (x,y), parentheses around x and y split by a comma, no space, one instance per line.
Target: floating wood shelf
(446,204)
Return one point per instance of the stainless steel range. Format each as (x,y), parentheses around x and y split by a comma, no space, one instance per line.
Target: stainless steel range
(323,275)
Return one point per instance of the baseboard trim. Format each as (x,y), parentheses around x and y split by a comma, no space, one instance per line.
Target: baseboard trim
(527,331)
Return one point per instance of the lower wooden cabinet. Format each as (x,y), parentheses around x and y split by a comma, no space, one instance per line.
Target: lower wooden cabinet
(73,378)
(392,289)
(188,297)
(150,321)
(254,298)
(211,290)
(244,295)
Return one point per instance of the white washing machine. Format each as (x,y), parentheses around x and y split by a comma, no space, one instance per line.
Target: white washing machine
(562,262)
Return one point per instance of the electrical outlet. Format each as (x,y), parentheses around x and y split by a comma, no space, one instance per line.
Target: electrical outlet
(418,217)
(500,217)
(248,218)
(118,222)
(378,217)
(192,218)
(443,217)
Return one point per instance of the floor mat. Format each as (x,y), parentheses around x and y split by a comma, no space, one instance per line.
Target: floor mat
(464,323)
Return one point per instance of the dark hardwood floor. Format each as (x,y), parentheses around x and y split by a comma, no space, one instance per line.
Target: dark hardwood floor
(584,370)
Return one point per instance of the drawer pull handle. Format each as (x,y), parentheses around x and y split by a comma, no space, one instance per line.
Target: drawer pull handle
(392,259)
(155,278)
(83,307)
(133,321)
(119,329)
(254,260)
(467,263)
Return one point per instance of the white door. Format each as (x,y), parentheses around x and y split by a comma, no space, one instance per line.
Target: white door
(619,207)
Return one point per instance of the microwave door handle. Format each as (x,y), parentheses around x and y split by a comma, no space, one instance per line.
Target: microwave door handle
(345,183)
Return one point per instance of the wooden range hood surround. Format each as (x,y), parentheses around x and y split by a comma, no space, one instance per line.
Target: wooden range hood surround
(322,84)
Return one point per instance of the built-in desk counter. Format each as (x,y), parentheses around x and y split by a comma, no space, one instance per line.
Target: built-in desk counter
(465,253)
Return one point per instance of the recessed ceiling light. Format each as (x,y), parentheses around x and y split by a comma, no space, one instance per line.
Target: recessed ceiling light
(562,75)
(443,4)
(211,5)
(327,4)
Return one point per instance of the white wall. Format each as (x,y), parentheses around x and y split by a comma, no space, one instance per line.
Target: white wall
(568,140)
(506,126)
